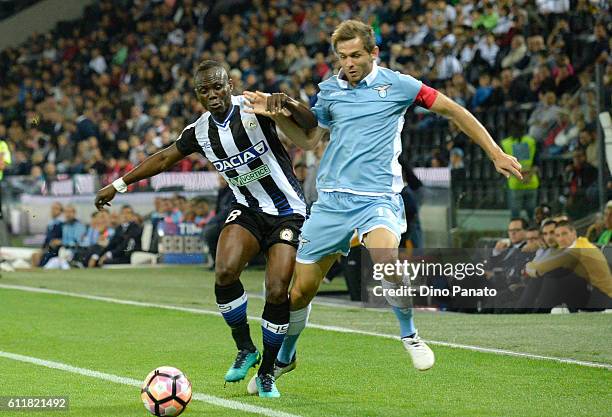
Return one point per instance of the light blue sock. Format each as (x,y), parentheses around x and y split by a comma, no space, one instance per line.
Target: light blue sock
(297,323)
(406,322)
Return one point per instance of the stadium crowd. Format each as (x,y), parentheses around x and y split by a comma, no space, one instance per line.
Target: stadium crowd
(112,237)
(538,268)
(99,94)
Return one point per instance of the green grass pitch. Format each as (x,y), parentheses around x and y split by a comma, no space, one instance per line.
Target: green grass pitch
(338,374)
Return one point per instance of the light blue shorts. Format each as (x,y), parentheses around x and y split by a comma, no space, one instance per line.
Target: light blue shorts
(336,216)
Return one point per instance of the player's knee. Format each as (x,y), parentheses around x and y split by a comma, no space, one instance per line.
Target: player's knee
(301,297)
(276,293)
(226,274)
(383,256)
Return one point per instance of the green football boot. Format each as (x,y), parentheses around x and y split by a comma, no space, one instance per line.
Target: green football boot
(244,361)
(266,386)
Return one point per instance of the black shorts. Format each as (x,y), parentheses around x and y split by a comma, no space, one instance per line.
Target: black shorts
(267,229)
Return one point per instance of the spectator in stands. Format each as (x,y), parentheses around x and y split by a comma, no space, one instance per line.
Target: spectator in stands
(605,236)
(488,50)
(464,89)
(522,194)
(203,213)
(533,285)
(544,116)
(580,179)
(96,238)
(507,262)
(567,137)
(92,233)
(598,50)
(72,229)
(5,152)
(124,242)
(533,239)
(579,263)
(483,92)
(541,213)
(457,165)
(53,237)
(536,54)
(512,90)
(586,142)
(73,232)
(516,54)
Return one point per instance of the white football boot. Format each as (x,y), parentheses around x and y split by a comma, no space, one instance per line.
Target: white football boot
(422,356)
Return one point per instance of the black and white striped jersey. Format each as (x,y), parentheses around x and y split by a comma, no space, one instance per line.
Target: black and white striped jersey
(246,150)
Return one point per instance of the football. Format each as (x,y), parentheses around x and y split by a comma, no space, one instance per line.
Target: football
(166,391)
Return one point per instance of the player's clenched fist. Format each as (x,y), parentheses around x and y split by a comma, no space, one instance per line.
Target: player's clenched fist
(276,102)
(266,104)
(104,196)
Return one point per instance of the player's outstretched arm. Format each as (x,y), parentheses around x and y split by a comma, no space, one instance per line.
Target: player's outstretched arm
(153,165)
(281,103)
(504,164)
(271,106)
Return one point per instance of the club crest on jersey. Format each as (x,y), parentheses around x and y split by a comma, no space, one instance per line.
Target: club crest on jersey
(286,234)
(382,90)
(242,158)
(250,123)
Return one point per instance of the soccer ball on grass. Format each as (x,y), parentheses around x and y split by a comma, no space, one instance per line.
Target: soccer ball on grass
(166,391)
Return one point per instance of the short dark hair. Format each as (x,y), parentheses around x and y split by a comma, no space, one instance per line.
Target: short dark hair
(566,223)
(524,223)
(206,65)
(547,222)
(533,229)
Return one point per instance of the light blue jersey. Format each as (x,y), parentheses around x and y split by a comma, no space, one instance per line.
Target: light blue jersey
(365,124)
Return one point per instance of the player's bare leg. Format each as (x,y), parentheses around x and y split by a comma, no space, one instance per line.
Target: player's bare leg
(236,247)
(275,319)
(308,278)
(385,244)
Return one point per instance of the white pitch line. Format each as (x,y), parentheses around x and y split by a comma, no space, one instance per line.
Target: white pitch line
(220,402)
(313,325)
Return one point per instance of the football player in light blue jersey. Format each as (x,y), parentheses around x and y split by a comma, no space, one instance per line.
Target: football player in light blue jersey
(359,178)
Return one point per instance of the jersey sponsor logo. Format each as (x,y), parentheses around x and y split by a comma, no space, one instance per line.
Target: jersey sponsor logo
(242,158)
(382,90)
(286,234)
(249,177)
(338,93)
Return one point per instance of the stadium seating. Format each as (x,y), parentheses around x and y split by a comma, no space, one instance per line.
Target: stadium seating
(103,56)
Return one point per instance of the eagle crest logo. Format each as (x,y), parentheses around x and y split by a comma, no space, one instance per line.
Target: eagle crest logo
(382,90)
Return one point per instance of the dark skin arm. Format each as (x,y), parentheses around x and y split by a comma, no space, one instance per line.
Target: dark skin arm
(153,165)
(300,114)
